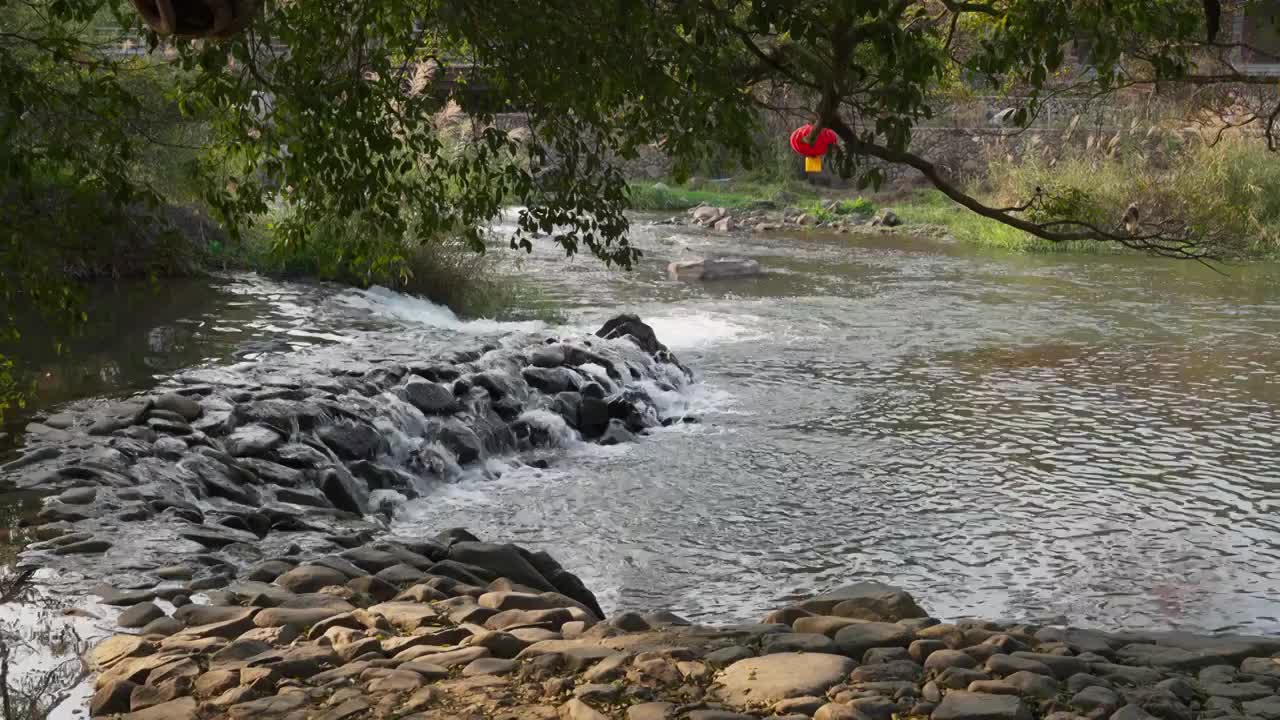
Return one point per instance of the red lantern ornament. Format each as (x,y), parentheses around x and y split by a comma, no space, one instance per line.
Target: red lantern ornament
(813,153)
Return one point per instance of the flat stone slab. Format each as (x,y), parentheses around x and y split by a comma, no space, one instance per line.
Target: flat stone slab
(963,705)
(1188,652)
(766,680)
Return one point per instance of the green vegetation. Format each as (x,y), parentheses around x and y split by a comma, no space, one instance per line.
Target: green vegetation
(444,270)
(1229,193)
(737,194)
(371,135)
(931,207)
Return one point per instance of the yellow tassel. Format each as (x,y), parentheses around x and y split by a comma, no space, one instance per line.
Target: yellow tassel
(813,164)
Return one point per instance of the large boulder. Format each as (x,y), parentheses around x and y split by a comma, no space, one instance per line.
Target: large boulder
(721,268)
(868,600)
(762,681)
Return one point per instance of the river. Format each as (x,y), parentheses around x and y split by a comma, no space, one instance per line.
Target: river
(1083,437)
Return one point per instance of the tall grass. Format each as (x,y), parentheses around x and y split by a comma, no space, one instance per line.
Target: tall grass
(931,207)
(1227,194)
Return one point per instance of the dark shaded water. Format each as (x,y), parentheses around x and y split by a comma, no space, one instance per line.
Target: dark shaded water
(1016,436)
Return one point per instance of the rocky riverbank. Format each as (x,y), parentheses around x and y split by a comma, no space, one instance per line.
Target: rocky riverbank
(455,628)
(236,518)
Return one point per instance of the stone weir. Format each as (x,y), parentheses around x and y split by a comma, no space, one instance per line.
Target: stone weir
(225,466)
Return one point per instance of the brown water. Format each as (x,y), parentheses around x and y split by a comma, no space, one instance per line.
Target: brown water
(1089,437)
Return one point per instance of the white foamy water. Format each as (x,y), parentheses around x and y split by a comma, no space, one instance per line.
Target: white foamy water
(387,303)
(702,329)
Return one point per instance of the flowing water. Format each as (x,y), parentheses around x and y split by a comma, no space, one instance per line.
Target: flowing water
(1004,435)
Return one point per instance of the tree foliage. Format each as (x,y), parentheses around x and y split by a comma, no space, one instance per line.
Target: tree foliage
(385,114)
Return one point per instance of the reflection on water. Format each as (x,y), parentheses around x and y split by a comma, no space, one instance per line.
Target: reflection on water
(1094,437)
(1007,436)
(138,331)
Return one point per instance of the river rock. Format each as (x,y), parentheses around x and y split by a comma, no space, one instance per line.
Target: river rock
(139,615)
(765,680)
(352,441)
(111,698)
(866,600)
(1097,701)
(184,406)
(253,440)
(962,705)
(429,397)
(943,659)
(721,268)
(855,640)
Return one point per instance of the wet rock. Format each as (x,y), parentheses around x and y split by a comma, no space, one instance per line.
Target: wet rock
(460,440)
(429,397)
(617,433)
(232,627)
(300,456)
(158,691)
(1096,701)
(798,642)
(1033,684)
(139,615)
(866,600)
(489,666)
(1131,712)
(253,441)
(400,575)
(629,622)
(955,678)
(294,617)
(963,705)
(78,496)
(183,406)
(766,680)
(1187,652)
(111,698)
(1063,666)
(725,657)
(1127,674)
(895,671)
(343,490)
(855,640)
(352,441)
(276,706)
(1008,664)
(1238,691)
(216,536)
(1267,708)
(181,709)
(60,512)
(163,626)
(827,625)
(84,547)
(548,356)
(720,268)
(1268,666)
(1160,703)
(117,648)
(552,380)
(943,659)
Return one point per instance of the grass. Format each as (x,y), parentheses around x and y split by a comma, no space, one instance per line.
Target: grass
(931,207)
(735,195)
